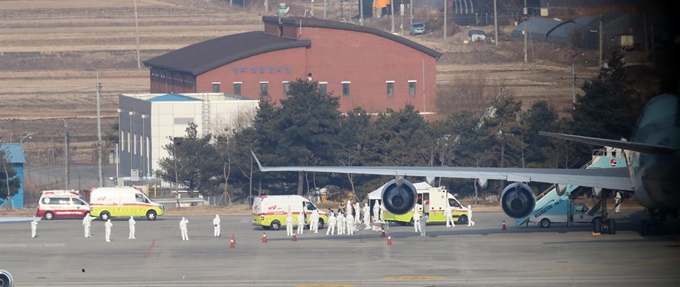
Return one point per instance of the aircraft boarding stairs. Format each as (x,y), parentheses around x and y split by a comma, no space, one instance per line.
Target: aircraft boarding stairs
(602,158)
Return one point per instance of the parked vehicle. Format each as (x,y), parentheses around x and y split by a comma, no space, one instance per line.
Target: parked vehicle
(61,203)
(107,202)
(417,29)
(270,211)
(562,210)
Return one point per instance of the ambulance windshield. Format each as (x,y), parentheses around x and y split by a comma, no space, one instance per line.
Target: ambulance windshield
(454,203)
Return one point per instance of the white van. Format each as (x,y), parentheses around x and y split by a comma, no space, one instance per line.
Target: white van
(270,211)
(107,202)
(61,203)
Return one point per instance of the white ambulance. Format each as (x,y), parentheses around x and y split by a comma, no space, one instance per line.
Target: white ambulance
(61,203)
(270,211)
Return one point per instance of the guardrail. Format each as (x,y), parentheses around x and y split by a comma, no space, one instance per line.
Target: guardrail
(182,202)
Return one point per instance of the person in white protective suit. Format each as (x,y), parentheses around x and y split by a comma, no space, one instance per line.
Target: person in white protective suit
(132,228)
(470,222)
(289,224)
(382,213)
(448,213)
(367,216)
(416,219)
(423,224)
(34,228)
(331,224)
(349,220)
(315,221)
(376,211)
(357,214)
(340,223)
(301,222)
(348,207)
(617,201)
(107,230)
(184,229)
(216,225)
(87,225)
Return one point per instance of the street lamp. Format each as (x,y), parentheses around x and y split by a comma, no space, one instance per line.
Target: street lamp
(130,142)
(24,137)
(141,146)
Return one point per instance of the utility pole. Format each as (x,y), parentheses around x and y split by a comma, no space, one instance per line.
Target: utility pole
(526,19)
(410,8)
(67,161)
(573,86)
(361,12)
(99,133)
(445,16)
(599,31)
(392,11)
(325,9)
(495,22)
(139,61)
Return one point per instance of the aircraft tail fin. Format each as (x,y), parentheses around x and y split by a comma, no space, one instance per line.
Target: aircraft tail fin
(633,146)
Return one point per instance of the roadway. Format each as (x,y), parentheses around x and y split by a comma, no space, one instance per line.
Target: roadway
(481,255)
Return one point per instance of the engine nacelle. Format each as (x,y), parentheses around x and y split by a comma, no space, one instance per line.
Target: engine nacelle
(399,196)
(518,200)
(6,279)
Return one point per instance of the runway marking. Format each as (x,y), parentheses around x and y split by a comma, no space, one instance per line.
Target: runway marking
(32,245)
(325,285)
(412,278)
(148,251)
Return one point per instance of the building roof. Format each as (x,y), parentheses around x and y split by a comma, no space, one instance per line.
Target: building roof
(14,152)
(201,57)
(321,23)
(172,98)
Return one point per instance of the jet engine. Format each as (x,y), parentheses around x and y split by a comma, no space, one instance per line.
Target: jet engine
(6,279)
(518,200)
(399,196)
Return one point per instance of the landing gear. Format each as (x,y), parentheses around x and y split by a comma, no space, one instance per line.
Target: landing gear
(604,224)
(653,224)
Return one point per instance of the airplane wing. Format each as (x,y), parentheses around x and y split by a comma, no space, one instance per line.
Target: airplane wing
(610,178)
(18,219)
(633,146)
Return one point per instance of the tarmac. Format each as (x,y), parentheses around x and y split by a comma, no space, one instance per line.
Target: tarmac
(480,255)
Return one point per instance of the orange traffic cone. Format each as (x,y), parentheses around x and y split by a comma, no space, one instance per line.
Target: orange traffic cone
(383,234)
(233,238)
(294,237)
(389,240)
(264,238)
(232,244)
(504,225)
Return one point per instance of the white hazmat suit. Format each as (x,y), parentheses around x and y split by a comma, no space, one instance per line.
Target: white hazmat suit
(470,222)
(216,225)
(357,214)
(314,224)
(348,207)
(423,225)
(376,211)
(416,220)
(617,201)
(350,224)
(107,230)
(183,229)
(367,216)
(87,225)
(289,224)
(448,213)
(340,223)
(301,222)
(331,224)
(34,228)
(132,228)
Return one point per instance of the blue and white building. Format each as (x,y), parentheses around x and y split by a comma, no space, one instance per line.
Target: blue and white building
(14,153)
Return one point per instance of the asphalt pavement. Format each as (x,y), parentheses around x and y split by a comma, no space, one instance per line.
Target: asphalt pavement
(480,255)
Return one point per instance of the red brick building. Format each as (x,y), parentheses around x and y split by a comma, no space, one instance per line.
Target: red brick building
(364,66)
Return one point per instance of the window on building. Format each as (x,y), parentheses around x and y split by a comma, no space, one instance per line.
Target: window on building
(216,87)
(122,139)
(323,88)
(134,144)
(264,88)
(237,88)
(286,87)
(390,88)
(411,88)
(345,89)
(129,143)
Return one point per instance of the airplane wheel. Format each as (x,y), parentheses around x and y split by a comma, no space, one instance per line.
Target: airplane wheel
(612,225)
(597,225)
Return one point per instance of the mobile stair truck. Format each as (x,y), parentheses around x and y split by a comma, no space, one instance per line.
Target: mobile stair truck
(551,207)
